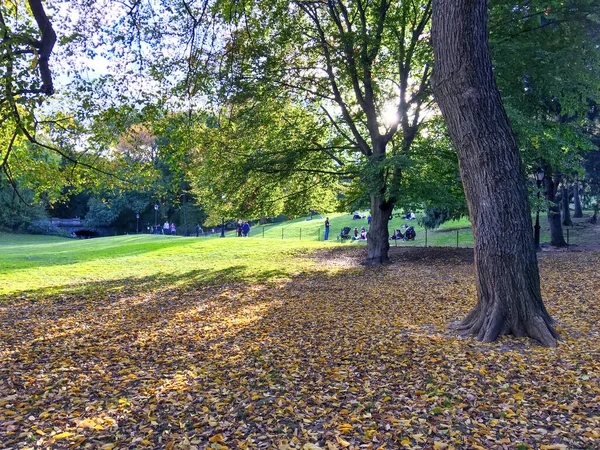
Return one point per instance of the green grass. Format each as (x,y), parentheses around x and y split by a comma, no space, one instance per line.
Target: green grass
(29,263)
(313,230)
(39,262)
(444,236)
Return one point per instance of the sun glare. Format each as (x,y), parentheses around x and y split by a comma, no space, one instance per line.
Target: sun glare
(389,115)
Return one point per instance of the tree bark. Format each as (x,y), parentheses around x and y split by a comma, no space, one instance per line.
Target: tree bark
(378,243)
(506,269)
(557,237)
(578,214)
(567,222)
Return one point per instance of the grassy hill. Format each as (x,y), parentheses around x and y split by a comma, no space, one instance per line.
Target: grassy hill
(307,229)
(33,262)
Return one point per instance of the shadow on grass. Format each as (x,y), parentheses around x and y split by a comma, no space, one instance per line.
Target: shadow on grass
(61,253)
(134,285)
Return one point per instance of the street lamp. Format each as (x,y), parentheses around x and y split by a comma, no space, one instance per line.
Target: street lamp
(155,215)
(539,177)
(137,223)
(223,227)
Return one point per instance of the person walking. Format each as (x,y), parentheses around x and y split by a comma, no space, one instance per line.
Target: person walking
(246,229)
(173,229)
(166,227)
(326,228)
(198,230)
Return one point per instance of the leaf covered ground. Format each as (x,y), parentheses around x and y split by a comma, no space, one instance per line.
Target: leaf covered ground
(343,357)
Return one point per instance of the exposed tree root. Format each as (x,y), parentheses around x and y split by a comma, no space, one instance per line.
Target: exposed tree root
(489,323)
(377,261)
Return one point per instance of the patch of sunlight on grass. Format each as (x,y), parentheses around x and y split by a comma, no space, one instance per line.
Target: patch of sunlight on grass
(29,263)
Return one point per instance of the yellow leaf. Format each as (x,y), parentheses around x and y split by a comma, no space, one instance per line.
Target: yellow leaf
(217,438)
(483,371)
(437,445)
(311,447)
(406,441)
(64,435)
(342,442)
(345,427)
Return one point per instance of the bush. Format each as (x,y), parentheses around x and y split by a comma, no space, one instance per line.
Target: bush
(45,226)
(433,217)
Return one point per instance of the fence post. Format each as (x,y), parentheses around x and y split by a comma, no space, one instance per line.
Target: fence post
(457,238)
(425,237)
(300,233)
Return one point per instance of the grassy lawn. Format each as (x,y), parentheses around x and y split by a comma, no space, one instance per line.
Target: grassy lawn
(153,342)
(35,262)
(454,233)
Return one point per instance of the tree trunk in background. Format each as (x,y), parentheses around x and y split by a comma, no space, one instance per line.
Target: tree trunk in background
(577,201)
(506,269)
(567,222)
(378,242)
(557,237)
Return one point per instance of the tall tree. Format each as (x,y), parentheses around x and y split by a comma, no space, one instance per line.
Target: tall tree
(364,67)
(546,86)
(508,284)
(565,198)
(552,182)
(578,213)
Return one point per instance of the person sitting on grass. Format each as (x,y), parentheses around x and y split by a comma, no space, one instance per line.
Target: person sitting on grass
(397,236)
(363,234)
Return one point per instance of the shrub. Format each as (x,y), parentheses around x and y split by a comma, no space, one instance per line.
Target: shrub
(433,217)
(45,226)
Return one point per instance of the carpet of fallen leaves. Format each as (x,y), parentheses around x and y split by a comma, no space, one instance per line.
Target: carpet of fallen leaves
(347,358)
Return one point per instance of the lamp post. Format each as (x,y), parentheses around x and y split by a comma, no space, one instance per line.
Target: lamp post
(539,177)
(223,227)
(137,223)
(155,215)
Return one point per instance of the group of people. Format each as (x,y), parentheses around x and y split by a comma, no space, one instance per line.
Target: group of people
(242,228)
(408,235)
(167,228)
(360,236)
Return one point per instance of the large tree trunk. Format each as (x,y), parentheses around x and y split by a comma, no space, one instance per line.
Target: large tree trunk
(578,214)
(567,222)
(557,237)
(378,243)
(506,269)
(378,239)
